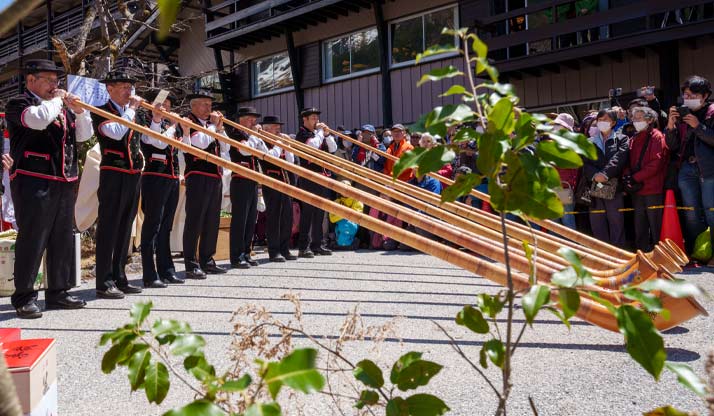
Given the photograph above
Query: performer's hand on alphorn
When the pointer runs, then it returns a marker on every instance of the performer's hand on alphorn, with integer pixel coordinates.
(71, 100)
(7, 161)
(135, 102)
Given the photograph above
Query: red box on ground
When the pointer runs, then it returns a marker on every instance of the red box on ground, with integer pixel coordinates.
(9, 335)
(33, 366)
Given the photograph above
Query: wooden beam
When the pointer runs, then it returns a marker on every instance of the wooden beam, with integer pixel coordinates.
(534, 71)
(639, 52)
(616, 56)
(296, 69)
(573, 64)
(382, 38)
(552, 68)
(593, 60)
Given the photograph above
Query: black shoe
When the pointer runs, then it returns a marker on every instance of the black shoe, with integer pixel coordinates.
(277, 258)
(129, 289)
(29, 311)
(65, 301)
(196, 273)
(288, 256)
(306, 254)
(242, 263)
(156, 284)
(251, 260)
(323, 251)
(214, 269)
(172, 279)
(111, 293)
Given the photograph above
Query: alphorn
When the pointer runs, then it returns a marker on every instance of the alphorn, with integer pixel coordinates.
(590, 310)
(585, 240)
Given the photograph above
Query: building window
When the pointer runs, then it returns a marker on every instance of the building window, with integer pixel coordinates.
(272, 74)
(353, 54)
(210, 83)
(413, 35)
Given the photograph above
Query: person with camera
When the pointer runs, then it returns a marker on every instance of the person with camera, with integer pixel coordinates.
(606, 217)
(644, 176)
(690, 136)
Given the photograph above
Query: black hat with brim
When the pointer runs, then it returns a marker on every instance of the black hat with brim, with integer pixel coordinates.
(33, 66)
(248, 111)
(309, 111)
(118, 76)
(271, 120)
(200, 94)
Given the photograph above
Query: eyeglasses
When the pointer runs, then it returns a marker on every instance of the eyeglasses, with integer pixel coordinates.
(691, 96)
(51, 81)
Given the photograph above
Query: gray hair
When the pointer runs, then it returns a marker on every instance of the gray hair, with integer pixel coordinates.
(648, 113)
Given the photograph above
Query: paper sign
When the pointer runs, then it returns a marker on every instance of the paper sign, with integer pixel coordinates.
(160, 98)
(89, 90)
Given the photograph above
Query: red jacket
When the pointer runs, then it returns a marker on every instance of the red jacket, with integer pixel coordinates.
(654, 164)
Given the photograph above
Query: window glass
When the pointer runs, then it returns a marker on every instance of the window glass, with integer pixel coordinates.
(337, 58)
(365, 50)
(272, 73)
(412, 36)
(351, 54)
(434, 23)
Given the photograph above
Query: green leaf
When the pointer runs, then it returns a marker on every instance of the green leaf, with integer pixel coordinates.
(569, 301)
(367, 398)
(456, 90)
(490, 305)
(452, 114)
(461, 32)
(440, 73)
(297, 371)
(369, 374)
(688, 378)
(408, 160)
(461, 186)
(403, 362)
(532, 301)
(198, 408)
(137, 368)
(503, 89)
(163, 328)
(643, 341)
(483, 65)
(190, 344)
(491, 148)
(524, 130)
(558, 314)
(199, 367)
(236, 385)
(416, 374)
(666, 411)
(576, 142)
(263, 409)
(168, 11)
(139, 311)
(465, 134)
(649, 301)
(426, 405)
(156, 382)
(472, 319)
(436, 50)
(495, 351)
(550, 152)
(581, 272)
(118, 335)
(501, 117)
(434, 128)
(115, 353)
(478, 46)
(397, 407)
(434, 159)
(677, 288)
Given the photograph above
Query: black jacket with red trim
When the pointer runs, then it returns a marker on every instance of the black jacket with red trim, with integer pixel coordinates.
(50, 153)
(160, 162)
(201, 166)
(236, 157)
(120, 155)
(304, 135)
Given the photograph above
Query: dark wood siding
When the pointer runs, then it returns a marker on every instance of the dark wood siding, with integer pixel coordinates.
(310, 65)
(243, 80)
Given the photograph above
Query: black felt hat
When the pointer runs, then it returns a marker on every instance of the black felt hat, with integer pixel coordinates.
(272, 120)
(118, 76)
(33, 66)
(309, 111)
(201, 94)
(248, 111)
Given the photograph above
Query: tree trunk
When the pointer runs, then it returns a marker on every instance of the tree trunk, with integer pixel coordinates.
(9, 403)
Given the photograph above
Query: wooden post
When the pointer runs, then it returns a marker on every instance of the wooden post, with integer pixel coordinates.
(383, 39)
(295, 68)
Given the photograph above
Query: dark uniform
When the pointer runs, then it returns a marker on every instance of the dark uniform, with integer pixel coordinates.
(204, 193)
(244, 203)
(159, 199)
(118, 194)
(43, 177)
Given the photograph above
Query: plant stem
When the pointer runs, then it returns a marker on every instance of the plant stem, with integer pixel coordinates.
(472, 84)
(506, 370)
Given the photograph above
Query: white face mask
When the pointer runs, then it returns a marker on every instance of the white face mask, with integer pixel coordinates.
(640, 125)
(592, 132)
(387, 140)
(694, 104)
(604, 126)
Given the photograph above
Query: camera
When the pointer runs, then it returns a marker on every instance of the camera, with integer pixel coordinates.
(683, 111)
(615, 92)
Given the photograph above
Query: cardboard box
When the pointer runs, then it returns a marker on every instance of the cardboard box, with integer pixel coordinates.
(7, 269)
(9, 335)
(33, 367)
(223, 244)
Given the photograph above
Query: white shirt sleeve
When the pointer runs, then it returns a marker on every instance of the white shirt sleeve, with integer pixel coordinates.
(316, 140)
(114, 130)
(83, 129)
(225, 147)
(170, 132)
(38, 117)
(256, 143)
(275, 152)
(330, 140)
(202, 140)
(289, 157)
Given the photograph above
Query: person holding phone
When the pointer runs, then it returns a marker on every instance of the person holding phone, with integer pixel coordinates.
(690, 136)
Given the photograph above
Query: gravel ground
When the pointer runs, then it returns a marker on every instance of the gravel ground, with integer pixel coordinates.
(584, 371)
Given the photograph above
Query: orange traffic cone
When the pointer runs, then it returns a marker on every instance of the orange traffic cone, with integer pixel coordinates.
(670, 221)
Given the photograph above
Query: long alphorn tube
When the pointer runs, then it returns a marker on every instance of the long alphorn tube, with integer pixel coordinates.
(590, 310)
(573, 235)
(551, 261)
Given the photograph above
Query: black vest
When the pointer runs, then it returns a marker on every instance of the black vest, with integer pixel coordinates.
(120, 155)
(160, 162)
(304, 135)
(249, 162)
(275, 171)
(198, 165)
(50, 153)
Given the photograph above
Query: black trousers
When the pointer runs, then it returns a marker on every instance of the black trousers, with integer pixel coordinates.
(648, 222)
(608, 226)
(203, 216)
(159, 198)
(311, 217)
(44, 211)
(118, 196)
(279, 211)
(244, 214)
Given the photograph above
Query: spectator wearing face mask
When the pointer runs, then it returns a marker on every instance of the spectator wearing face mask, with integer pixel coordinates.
(427, 141)
(690, 136)
(568, 177)
(612, 152)
(647, 165)
(387, 138)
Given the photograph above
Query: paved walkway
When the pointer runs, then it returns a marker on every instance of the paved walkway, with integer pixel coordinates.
(584, 371)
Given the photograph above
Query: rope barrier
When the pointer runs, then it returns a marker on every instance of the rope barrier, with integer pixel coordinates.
(602, 211)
